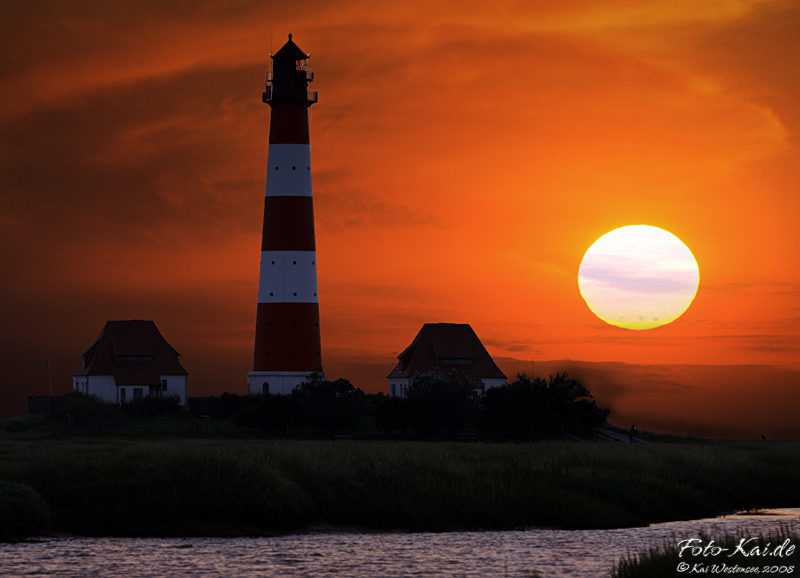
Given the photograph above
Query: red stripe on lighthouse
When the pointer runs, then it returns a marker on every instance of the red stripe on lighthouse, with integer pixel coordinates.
(291, 333)
(288, 124)
(288, 224)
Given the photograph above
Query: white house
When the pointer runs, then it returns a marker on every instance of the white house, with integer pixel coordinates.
(129, 360)
(447, 346)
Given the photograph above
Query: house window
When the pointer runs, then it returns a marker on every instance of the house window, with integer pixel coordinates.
(137, 393)
(163, 385)
(265, 387)
(122, 395)
(392, 390)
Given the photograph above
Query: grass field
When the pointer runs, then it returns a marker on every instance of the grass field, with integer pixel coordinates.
(110, 485)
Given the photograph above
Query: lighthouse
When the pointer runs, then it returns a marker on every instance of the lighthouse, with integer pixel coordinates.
(287, 345)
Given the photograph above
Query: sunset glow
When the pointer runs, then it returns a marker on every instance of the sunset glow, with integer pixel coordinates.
(464, 158)
(638, 277)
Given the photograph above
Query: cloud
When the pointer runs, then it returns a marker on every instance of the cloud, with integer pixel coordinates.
(763, 343)
(672, 283)
(515, 344)
(762, 287)
(342, 210)
(122, 164)
(610, 16)
(393, 292)
(61, 52)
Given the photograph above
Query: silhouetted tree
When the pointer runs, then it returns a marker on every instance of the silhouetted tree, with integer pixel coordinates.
(154, 406)
(223, 406)
(441, 405)
(392, 414)
(80, 409)
(269, 413)
(538, 408)
(512, 410)
(329, 405)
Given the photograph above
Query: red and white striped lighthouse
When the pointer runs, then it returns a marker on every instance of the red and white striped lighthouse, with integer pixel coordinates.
(288, 345)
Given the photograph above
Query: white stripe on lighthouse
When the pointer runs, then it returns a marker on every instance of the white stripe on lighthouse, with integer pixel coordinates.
(288, 277)
(289, 170)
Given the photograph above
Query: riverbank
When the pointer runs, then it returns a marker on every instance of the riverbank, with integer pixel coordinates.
(115, 487)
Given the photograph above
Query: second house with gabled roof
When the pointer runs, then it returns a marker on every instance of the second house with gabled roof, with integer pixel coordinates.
(130, 360)
(446, 346)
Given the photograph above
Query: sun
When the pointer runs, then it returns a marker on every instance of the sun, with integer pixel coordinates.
(638, 277)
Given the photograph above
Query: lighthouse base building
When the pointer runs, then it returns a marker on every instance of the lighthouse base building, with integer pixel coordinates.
(274, 382)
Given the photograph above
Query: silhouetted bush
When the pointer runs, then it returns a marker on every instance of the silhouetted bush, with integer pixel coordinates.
(269, 413)
(77, 408)
(23, 512)
(154, 406)
(330, 406)
(442, 404)
(373, 401)
(529, 408)
(224, 406)
(393, 415)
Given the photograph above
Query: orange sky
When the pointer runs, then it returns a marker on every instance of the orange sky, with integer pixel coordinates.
(465, 155)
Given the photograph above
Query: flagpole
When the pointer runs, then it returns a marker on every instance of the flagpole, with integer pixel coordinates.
(50, 374)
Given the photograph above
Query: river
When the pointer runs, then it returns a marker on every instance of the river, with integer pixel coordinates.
(554, 553)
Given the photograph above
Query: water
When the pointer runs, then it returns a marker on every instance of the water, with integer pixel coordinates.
(554, 553)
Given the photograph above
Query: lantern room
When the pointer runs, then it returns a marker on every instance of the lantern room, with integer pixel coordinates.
(288, 80)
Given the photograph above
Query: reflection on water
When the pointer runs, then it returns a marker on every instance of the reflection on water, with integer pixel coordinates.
(554, 553)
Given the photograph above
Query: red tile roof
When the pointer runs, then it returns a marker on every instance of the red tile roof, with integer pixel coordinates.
(447, 346)
(119, 342)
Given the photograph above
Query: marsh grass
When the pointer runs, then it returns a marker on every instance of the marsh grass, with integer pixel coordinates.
(112, 486)
(662, 561)
(23, 512)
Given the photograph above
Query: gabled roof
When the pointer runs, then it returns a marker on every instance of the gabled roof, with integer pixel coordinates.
(137, 339)
(447, 346)
(290, 51)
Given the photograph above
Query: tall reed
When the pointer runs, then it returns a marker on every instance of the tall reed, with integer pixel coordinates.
(23, 512)
(671, 560)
